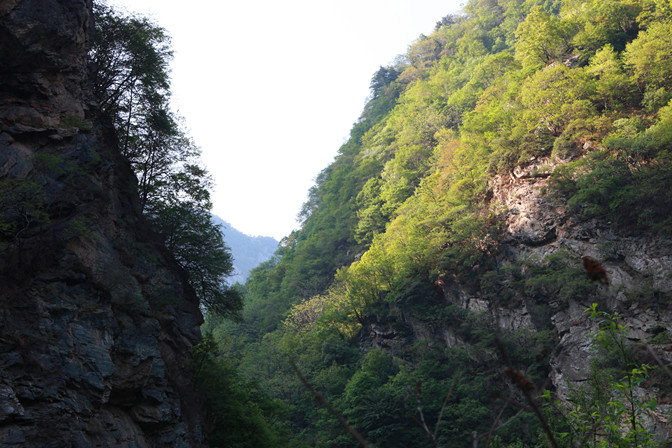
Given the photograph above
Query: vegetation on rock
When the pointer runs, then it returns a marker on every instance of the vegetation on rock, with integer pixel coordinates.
(361, 298)
(130, 55)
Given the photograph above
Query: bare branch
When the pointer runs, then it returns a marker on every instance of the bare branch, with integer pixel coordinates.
(320, 399)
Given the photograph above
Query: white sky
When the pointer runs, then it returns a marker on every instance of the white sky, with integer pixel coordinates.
(270, 89)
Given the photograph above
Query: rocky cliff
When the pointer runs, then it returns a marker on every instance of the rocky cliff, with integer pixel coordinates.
(638, 267)
(536, 226)
(96, 322)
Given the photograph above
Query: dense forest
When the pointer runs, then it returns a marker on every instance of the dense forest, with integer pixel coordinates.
(405, 216)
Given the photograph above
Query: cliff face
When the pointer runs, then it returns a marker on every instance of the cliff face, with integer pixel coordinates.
(96, 322)
(638, 266)
(536, 226)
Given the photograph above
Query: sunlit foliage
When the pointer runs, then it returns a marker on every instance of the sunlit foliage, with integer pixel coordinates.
(362, 297)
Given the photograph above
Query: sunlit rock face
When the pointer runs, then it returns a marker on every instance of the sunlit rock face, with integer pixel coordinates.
(96, 323)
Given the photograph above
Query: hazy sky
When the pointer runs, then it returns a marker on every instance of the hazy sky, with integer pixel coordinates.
(270, 89)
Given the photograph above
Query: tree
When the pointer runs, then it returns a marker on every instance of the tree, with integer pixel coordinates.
(130, 56)
(542, 38)
(131, 82)
(613, 22)
(613, 87)
(554, 96)
(371, 217)
(648, 57)
(180, 210)
(239, 414)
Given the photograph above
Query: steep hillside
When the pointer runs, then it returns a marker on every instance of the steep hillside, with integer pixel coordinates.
(488, 259)
(96, 318)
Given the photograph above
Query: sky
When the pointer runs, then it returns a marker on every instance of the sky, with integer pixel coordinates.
(269, 89)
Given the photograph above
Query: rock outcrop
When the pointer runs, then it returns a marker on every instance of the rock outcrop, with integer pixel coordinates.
(96, 320)
(536, 226)
(638, 266)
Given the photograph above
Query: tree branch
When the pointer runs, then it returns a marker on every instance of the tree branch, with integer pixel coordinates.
(320, 399)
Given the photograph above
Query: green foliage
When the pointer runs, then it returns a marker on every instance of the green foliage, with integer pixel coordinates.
(76, 122)
(26, 202)
(648, 56)
(470, 248)
(399, 222)
(628, 187)
(239, 414)
(198, 246)
(542, 38)
(131, 55)
(558, 277)
(555, 96)
(77, 228)
(613, 88)
(608, 410)
(23, 207)
(601, 23)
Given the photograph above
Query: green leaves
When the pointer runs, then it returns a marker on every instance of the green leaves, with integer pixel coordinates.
(553, 97)
(609, 410)
(542, 38)
(239, 414)
(629, 185)
(613, 89)
(131, 55)
(648, 56)
(23, 206)
(400, 220)
(600, 23)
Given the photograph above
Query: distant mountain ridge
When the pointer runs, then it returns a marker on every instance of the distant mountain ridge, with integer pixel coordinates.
(248, 251)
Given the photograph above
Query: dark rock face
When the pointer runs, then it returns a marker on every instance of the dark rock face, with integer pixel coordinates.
(96, 322)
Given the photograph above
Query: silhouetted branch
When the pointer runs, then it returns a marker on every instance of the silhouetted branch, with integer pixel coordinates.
(320, 399)
(525, 386)
(433, 436)
(443, 407)
(499, 416)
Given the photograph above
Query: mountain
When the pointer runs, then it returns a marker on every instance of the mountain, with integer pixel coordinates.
(487, 260)
(248, 251)
(485, 263)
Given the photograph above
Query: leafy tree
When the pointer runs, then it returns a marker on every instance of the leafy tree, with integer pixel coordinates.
(542, 38)
(371, 215)
(24, 206)
(601, 23)
(654, 11)
(613, 89)
(198, 246)
(131, 81)
(554, 96)
(130, 56)
(238, 412)
(648, 57)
